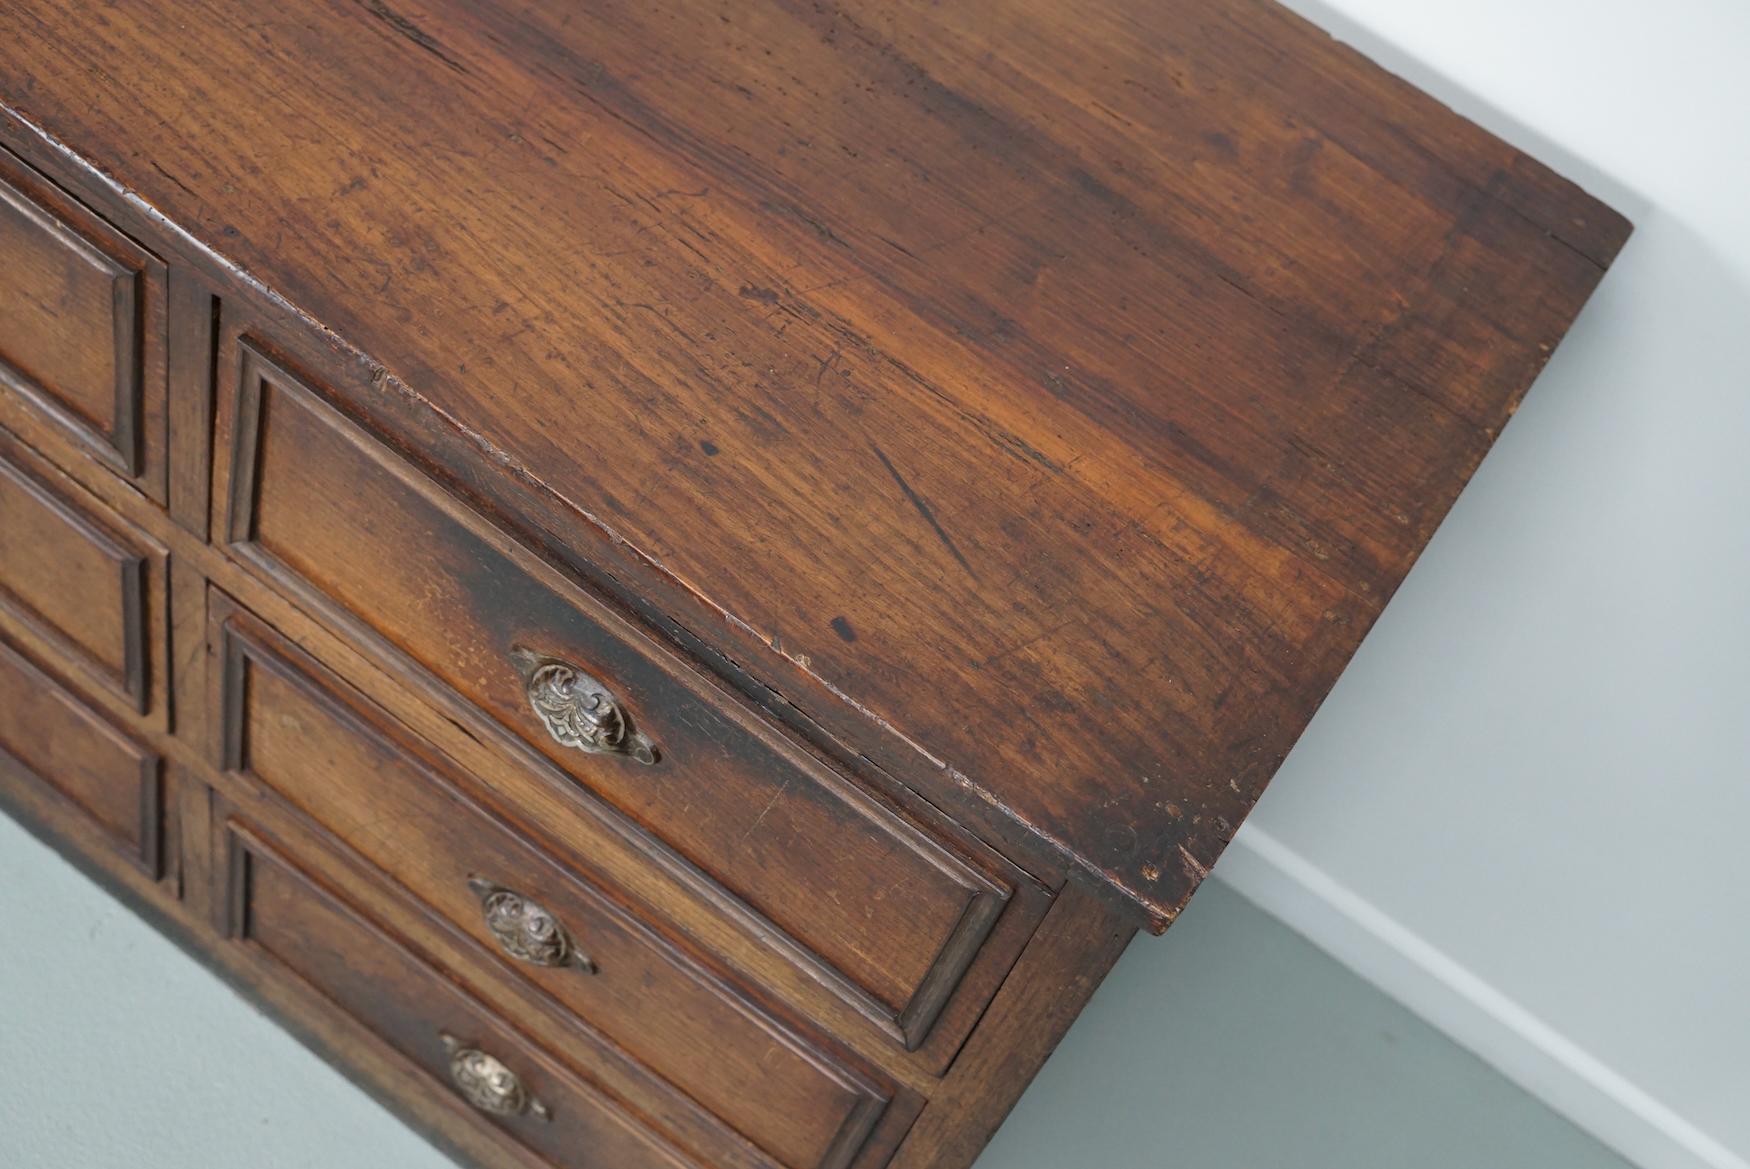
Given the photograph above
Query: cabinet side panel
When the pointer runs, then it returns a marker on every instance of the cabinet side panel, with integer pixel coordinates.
(1068, 958)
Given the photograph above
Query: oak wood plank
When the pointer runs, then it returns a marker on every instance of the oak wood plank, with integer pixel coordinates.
(1046, 396)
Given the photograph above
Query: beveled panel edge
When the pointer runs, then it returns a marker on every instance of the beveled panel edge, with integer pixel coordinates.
(120, 447)
(241, 843)
(952, 962)
(247, 642)
(987, 895)
(244, 464)
(130, 554)
(373, 894)
(147, 855)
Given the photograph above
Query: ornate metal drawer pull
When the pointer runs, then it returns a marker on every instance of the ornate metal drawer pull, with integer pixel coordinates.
(526, 930)
(487, 1084)
(579, 711)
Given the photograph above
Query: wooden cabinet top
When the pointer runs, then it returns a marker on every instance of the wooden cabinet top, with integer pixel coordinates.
(1042, 398)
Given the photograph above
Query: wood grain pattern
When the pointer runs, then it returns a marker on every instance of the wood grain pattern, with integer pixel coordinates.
(50, 739)
(287, 914)
(1048, 397)
(543, 803)
(80, 326)
(193, 350)
(289, 726)
(970, 438)
(79, 585)
(885, 914)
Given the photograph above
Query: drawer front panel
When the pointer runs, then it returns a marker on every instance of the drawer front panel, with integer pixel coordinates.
(76, 299)
(69, 577)
(51, 740)
(878, 910)
(294, 728)
(280, 909)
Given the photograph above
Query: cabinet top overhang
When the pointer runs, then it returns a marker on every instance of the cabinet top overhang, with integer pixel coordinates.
(1043, 397)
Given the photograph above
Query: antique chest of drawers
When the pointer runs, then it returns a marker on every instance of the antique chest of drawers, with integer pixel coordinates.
(669, 584)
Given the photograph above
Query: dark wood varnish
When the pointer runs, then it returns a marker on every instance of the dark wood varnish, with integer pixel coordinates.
(285, 912)
(1073, 951)
(878, 908)
(51, 742)
(81, 585)
(80, 311)
(1101, 369)
(949, 452)
(406, 813)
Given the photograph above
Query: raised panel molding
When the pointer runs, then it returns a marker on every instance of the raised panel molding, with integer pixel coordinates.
(265, 386)
(109, 781)
(68, 531)
(119, 423)
(245, 651)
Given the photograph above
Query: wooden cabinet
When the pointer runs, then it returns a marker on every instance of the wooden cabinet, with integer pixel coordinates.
(670, 585)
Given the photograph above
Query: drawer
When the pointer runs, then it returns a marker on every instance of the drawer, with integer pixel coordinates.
(85, 585)
(278, 907)
(872, 906)
(81, 327)
(95, 778)
(292, 727)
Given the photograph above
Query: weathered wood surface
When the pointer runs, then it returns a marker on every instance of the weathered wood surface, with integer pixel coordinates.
(1060, 389)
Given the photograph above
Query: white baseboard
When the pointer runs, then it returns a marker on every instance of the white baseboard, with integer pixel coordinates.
(1473, 1013)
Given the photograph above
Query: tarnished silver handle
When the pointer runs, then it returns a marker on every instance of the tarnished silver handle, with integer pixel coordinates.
(579, 711)
(487, 1084)
(527, 930)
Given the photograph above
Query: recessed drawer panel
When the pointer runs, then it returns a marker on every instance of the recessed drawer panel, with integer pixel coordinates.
(284, 912)
(78, 582)
(79, 303)
(52, 742)
(877, 909)
(293, 727)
